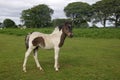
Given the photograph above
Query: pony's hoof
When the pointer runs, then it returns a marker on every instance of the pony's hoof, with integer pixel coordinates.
(56, 70)
(41, 69)
(24, 71)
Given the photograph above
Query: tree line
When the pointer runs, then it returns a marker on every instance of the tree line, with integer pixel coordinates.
(78, 12)
(102, 11)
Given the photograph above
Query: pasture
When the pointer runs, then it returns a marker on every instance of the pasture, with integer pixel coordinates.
(80, 59)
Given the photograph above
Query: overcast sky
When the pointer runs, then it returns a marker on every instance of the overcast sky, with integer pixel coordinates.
(12, 8)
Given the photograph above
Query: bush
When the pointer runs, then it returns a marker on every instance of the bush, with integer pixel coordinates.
(97, 32)
(106, 33)
(9, 23)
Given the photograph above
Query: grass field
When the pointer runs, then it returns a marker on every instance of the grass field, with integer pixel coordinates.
(80, 59)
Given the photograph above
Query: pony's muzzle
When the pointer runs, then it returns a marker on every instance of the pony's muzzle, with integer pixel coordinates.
(70, 35)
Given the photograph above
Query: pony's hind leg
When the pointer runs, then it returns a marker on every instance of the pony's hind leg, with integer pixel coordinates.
(26, 58)
(36, 58)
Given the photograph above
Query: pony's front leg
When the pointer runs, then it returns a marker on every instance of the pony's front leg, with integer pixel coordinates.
(56, 65)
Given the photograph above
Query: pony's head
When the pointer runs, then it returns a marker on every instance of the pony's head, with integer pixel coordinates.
(67, 29)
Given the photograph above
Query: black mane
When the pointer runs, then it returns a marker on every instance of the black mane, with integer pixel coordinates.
(60, 27)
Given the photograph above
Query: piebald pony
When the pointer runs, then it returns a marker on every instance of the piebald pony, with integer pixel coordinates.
(55, 40)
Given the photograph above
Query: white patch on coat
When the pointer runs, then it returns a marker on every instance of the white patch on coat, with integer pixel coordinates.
(51, 40)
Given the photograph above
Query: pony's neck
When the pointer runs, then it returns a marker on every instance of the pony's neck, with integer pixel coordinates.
(56, 30)
(60, 34)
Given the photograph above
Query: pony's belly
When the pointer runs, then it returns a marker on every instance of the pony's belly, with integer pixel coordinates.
(49, 47)
(48, 43)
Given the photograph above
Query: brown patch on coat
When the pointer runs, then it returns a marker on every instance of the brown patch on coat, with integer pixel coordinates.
(62, 39)
(39, 41)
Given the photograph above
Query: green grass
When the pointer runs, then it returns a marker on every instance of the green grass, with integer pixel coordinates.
(80, 59)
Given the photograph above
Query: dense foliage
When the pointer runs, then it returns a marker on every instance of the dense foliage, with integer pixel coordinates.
(37, 16)
(79, 12)
(107, 10)
(106, 33)
(57, 22)
(8, 23)
(102, 11)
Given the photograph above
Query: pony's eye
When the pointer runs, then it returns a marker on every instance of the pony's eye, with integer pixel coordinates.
(66, 28)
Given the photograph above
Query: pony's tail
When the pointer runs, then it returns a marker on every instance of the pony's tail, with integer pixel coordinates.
(27, 40)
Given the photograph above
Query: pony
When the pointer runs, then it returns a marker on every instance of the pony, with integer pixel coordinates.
(55, 41)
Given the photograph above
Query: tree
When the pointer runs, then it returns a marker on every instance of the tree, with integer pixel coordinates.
(107, 10)
(79, 12)
(38, 16)
(101, 12)
(57, 22)
(8, 23)
(114, 11)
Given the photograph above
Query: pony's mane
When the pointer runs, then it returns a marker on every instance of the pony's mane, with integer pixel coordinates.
(66, 23)
(60, 27)
(57, 29)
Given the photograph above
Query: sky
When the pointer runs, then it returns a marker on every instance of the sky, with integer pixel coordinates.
(12, 9)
